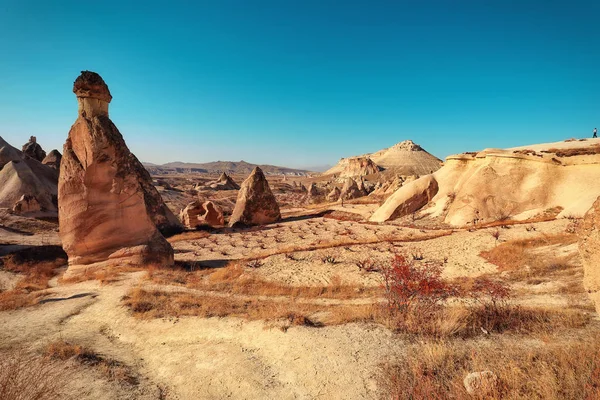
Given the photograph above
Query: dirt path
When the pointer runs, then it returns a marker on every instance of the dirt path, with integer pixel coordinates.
(210, 358)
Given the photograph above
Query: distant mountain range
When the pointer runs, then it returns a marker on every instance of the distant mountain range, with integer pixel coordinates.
(216, 167)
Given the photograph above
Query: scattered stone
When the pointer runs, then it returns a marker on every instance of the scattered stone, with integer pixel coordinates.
(197, 214)
(480, 383)
(33, 149)
(255, 203)
(106, 198)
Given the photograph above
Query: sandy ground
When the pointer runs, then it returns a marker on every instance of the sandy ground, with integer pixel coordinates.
(218, 358)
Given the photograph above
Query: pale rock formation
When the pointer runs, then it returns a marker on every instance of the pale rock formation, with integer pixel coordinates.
(350, 190)
(480, 383)
(255, 203)
(589, 248)
(21, 175)
(518, 183)
(197, 214)
(53, 159)
(223, 183)
(358, 166)
(106, 198)
(27, 204)
(312, 194)
(33, 149)
(404, 158)
(334, 195)
(407, 199)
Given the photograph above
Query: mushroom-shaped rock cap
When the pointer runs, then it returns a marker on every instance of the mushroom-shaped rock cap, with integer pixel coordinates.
(90, 84)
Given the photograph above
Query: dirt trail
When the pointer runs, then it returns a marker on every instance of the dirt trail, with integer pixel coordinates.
(206, 358)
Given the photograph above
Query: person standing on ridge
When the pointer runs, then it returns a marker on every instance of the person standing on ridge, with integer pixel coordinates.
(595, 133)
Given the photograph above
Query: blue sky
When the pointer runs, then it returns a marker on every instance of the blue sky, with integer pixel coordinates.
(303, 83)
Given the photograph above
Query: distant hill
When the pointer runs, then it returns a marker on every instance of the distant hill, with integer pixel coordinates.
(217, 167)
(404, 158)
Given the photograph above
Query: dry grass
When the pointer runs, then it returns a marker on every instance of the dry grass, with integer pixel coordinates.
(38, 265)
(515, 254)
(564, 369)
(111, 369)
(28, 377)
(233, 279)
(104, 276)
(162, 304)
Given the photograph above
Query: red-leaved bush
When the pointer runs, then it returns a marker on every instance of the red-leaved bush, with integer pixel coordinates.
(409, 286)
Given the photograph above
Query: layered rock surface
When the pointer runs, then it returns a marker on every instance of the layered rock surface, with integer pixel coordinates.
(517, 183)
(256, 204)
(589, 248)
(108, 208)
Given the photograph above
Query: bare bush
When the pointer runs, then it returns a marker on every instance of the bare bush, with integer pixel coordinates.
(28, 377)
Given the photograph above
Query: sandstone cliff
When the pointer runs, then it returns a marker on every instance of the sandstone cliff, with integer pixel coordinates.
(517, 183)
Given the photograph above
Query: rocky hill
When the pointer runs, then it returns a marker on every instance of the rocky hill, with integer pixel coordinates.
(404, 158)
(217, 167)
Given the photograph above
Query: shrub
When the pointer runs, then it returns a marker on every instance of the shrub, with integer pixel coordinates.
(418, 290)
(25, 377)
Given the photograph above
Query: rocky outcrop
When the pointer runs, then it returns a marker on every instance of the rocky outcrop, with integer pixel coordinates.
(33, 149)
(107, 204)
(313, 195)
(518, 183)
(350, 190)
(255, 203)
(589, 248)
(334, 195)
(53, 159)
(21, 175)
(27, 204)
(197, 214)
(223, 183)
(406, 200)
(358, 166)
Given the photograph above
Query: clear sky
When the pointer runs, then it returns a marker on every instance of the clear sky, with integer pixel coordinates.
(304, 82)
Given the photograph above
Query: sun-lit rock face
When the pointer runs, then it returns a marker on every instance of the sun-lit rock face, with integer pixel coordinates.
(255, 203)
(517, 183)
(589, 248)
(103, 214)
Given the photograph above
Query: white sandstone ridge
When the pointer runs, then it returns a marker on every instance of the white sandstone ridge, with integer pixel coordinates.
(405, 158)
(517, 183)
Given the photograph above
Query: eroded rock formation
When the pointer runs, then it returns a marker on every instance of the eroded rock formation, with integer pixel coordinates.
(197, 214)
(22, 177)
(33, 149)
(350, 190)
(255, 203)
(407, 199)
(53, 159)
(223, 183)
(518, 183)
(589, 248)
(107, 205)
